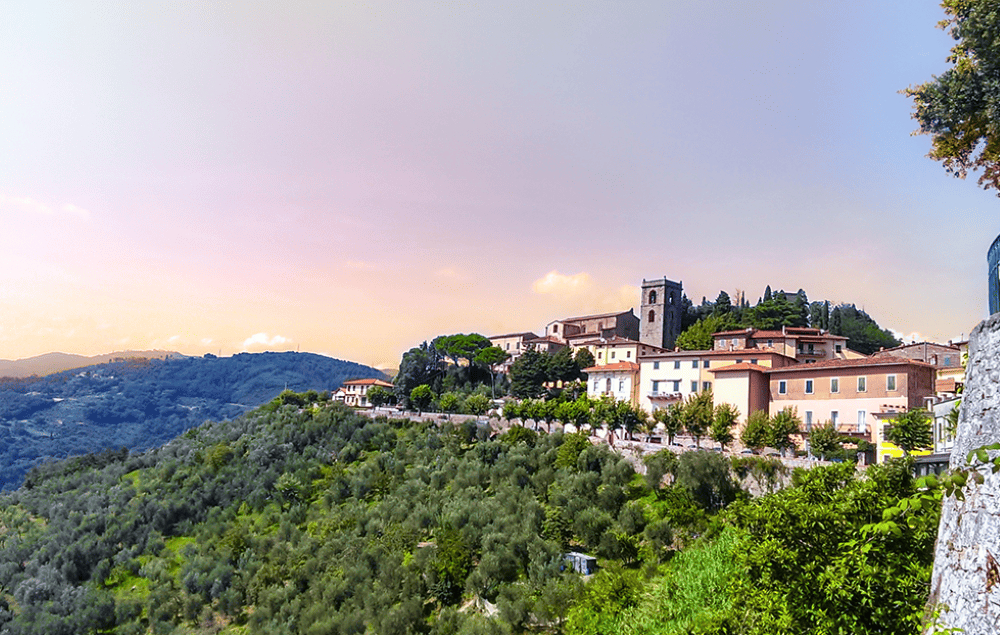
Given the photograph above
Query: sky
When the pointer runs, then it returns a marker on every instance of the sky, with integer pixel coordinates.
(353, 178)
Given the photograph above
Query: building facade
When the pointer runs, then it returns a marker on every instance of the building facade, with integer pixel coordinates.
(660, 312)
(514, 344)
(354, 392)
(619, 381)
(855, 395)
(622, 324)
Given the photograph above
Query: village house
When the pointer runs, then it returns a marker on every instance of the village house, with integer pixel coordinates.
(619, 380)
(806, 345)
(514, 344)
(354, 392)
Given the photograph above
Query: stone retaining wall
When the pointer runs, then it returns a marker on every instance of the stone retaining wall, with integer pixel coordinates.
(965, 584)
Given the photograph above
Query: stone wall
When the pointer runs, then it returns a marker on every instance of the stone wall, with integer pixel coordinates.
(965, 584)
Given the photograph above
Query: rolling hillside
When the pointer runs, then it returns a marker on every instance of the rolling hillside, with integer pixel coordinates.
(140, 403)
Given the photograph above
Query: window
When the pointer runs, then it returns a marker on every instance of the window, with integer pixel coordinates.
(861, 420)
(621, 385)
(704, 364)
(782, 387)
(508, 346)
(770, 343)
(862, 384)
(628, 354)
(555, 328)
(834, 415)
(600, 355)
(656, 386)
(947, 360)
(652, 315)
(890, 382)
(613, 354)
(839, 348)
(677, 385)
(706, 385)
(694, 386)
(677, 364)
(656, 365)
(809, 420)
(753, 361)
(809, 386)
(652, 300)
(739, 361)
(835, 384)
(694, 363)
(596, 386)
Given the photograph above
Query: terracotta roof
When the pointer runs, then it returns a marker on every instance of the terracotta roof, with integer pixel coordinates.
(917, 344)
(740, 366)
(768, 334)
(617, 367)
(547, 338)
(594, 317)
(500, 337)
(620, 340)
(739, 332)
(742, 352)
(367, 382)
(885, 360)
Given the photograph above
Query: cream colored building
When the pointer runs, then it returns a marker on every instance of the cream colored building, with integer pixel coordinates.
(514, 344)
(619, 380)
(670, 377)
(354, 392)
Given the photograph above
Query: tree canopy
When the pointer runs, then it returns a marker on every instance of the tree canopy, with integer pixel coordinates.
(960, 109)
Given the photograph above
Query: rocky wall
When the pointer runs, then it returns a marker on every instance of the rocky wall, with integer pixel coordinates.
(965, 584)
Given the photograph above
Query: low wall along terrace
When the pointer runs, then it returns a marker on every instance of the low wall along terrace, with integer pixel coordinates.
(965, 585)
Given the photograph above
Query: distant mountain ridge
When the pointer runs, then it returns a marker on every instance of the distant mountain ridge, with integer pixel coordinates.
(142, 402)
(49, 363)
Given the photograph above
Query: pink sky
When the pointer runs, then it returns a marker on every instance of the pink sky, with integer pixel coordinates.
(351, 180)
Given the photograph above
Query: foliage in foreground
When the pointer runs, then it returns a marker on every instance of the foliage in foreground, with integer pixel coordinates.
(301, 519)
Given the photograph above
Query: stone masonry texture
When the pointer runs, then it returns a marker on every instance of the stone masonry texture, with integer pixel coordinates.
(965, 584)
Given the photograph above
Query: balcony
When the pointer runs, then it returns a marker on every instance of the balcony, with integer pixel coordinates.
(665, 396)
(809, 352)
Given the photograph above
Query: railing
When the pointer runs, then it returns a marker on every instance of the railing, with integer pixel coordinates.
(811, 353)
(664, 395)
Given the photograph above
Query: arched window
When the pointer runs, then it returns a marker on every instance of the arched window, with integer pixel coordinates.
(607, 385)
(652, 297)
(652, 315)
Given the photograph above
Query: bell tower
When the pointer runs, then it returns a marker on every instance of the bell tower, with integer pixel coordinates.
(660, 312)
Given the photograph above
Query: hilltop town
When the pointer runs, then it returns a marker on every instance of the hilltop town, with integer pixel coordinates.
(796, 367)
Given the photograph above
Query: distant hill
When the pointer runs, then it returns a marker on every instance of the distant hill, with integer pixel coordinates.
(140, 403)
(49, 363)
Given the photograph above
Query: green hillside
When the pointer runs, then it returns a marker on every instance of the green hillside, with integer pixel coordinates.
(303, 517)
(140, 403)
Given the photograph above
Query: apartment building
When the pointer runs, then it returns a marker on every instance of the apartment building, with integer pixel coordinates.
(805, 345)
(671, 376)
(855, 395)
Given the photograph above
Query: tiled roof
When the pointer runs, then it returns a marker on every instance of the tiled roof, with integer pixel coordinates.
(367, 382)
(915, 345)
(742, 352)
(500, 337)
(740, 366)
(885, 360)
(543, 340)
(594, 317)
(617, 367)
